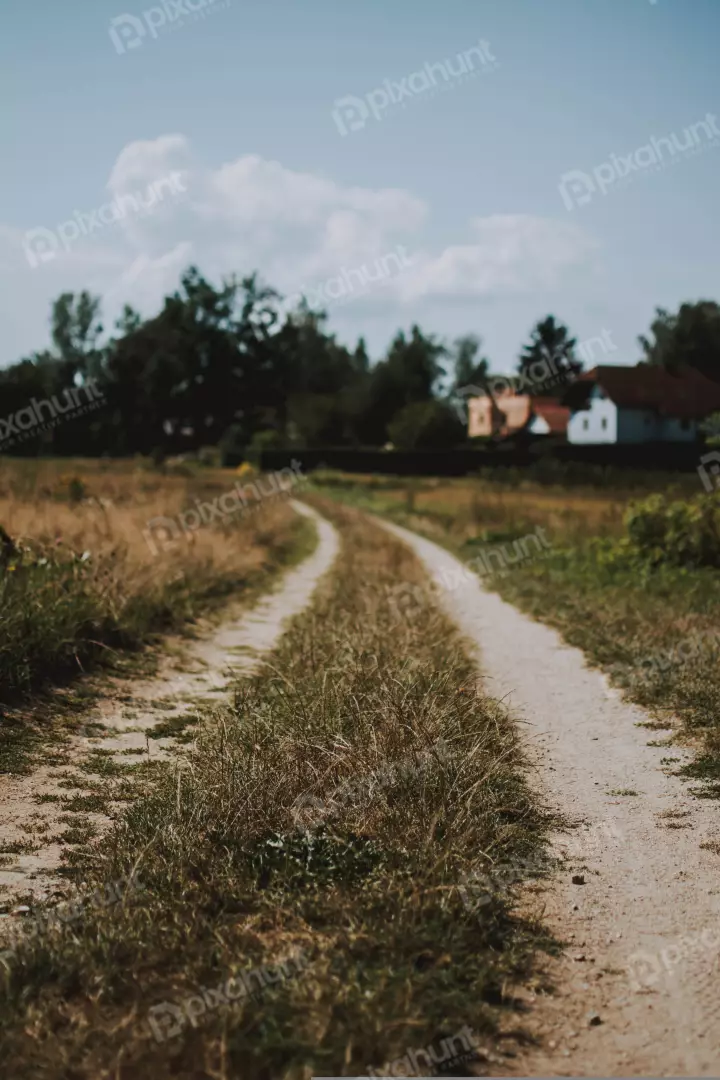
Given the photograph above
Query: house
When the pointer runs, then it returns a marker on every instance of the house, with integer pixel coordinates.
(613, 404)
(507, 413)
(549, 417)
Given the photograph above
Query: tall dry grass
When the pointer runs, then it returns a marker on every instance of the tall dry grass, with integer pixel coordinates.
(78, 578)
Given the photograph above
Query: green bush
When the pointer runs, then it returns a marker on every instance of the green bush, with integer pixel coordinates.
(677, 533)
(263, 440)
(425, 425)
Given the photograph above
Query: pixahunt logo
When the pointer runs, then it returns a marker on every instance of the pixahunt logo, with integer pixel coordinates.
(129, 31)
(42, 245)
(447, 1055)
(30, 420)
(347, 285)
(162, 533)
(168, 1019)
(577, 188)
(351, 113)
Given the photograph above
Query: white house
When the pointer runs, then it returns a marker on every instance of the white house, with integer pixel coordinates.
(613, 404)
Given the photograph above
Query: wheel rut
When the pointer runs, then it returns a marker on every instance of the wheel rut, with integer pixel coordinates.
(637, 990)
(189, 677)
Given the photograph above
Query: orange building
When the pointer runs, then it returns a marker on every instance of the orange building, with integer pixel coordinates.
(509, 413)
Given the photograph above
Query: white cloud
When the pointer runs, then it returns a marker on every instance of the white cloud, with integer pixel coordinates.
(141, 162)
(297, 229)
(511, 253)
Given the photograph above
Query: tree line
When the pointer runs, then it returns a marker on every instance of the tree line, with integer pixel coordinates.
(227, 365)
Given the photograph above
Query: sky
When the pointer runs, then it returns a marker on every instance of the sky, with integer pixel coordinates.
(467, 165)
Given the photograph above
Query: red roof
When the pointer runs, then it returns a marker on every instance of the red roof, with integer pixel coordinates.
(554, 414)
(685, 394)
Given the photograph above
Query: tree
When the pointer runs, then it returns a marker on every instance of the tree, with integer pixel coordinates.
(49, 378)
(204, 364)
(548, 363)
(426, 425)
(409, 373)
(468, 369)
(229, 364)
(75, 329)
(692, 338)
(470, 375)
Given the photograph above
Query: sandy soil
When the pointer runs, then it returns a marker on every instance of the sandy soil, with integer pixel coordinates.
(637, 990)
(201, 672)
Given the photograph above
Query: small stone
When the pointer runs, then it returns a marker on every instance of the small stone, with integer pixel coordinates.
(580, 956)
(576, 907)
(578, 879)
(23, 909)
(593, 1019)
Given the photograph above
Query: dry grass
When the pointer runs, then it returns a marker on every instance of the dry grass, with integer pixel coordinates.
(104, 508)
(334, 810)
(653, 628)
(80, 584)
(473, 508)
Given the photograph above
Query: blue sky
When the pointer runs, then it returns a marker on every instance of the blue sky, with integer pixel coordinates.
(237, 103)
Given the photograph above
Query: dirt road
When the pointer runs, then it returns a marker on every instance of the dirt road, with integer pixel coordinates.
(638, 987)
(202, 672)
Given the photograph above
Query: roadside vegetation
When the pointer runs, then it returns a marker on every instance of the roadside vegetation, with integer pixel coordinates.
(631, 578)
(81, 586)
(329, 814)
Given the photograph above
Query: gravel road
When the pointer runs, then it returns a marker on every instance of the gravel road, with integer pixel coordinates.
(637, 991)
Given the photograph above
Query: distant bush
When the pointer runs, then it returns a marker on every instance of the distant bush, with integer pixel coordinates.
(426, 425)
(674, 532)
(711, 429)
(263, 440)
(552, 472)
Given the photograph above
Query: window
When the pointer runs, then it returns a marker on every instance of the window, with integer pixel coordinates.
(684, 425)
(585, 425)
(603, 425)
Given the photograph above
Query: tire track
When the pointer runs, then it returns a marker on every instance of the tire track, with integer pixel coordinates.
(637, 991)
(205, 672)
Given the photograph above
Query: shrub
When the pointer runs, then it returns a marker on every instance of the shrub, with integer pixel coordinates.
(677, 533)
(425, 425)
(263, 440)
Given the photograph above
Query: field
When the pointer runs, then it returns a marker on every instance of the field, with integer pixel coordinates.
(84, 583)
